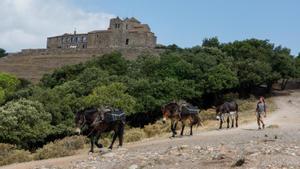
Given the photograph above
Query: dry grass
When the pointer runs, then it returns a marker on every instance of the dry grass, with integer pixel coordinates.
(61, 148)
(134, 134)
(157, 128)
(10, 154)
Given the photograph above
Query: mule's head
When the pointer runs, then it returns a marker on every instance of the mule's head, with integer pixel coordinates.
(165, 113)
(79, 121)
(218, 113)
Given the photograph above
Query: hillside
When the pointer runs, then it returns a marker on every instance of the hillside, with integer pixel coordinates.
(278, 146)
(32, 64)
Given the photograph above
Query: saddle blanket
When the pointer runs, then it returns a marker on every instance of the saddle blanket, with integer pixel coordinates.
(189, 110)
(116, 115)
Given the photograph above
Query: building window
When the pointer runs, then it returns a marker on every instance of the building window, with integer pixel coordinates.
(126, 26)
(117, 25)
(127, 41)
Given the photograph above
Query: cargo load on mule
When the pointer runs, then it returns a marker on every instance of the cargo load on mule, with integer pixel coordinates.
(114, 115)
(189, 109)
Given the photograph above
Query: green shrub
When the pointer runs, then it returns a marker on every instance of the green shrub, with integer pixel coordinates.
(10, 154)
(61, 148)
(24, 123)
(134, 134)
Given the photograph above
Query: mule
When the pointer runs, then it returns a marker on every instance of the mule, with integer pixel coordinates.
(93, 122)
(228, 111)
(174, 112)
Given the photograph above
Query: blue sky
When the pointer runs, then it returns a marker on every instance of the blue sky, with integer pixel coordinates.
(186, 23)
(27, 23)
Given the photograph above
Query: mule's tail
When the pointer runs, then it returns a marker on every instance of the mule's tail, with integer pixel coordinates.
(197, 121)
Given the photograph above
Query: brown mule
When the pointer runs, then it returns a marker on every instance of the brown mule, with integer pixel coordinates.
(173, 111)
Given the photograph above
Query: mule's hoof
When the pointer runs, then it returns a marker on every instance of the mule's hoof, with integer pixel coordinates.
(99, 146)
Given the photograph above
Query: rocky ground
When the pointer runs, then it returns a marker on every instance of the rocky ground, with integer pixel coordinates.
(277, 146)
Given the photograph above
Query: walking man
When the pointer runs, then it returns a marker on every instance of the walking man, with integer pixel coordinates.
(261, 112)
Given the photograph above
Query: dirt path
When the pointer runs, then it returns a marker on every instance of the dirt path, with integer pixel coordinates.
(278, 146)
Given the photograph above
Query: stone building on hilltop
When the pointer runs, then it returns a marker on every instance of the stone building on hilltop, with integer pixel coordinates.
(127, 33)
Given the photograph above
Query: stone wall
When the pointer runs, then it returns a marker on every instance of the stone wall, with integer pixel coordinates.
(32, 64)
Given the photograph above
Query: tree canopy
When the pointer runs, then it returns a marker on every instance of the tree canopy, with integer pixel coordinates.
(2, 53)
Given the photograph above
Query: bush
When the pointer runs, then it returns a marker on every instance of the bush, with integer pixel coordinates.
(134, 134)
(24, 123)
(61, 148)
(10, 154)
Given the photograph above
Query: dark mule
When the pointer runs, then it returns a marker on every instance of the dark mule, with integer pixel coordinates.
(228, 110)
(92, 122)
(174, 112)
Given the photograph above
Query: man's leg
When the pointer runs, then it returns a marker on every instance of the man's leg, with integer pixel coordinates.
(258, 120)
(262, 122)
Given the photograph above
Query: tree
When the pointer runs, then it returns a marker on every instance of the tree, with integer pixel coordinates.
(61, 103)
(297, 66)
(219, 78)
(24, 123)
(113, 95)
(211, 42)
(283, 63)
(8, 85)
(2, 53)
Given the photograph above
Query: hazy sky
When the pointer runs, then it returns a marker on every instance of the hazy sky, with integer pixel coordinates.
(27, 23)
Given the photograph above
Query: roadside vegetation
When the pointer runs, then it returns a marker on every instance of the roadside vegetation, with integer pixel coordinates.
(34, 116)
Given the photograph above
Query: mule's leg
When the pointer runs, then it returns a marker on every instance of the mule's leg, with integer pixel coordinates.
(227, 121)
(236, 120)
(175, 127)
(113, 140)
(232, 120)
(120, 135)
(191, 131)
(99, 145)
(182, 129)
(172, 125)
(92, 144)
(221, 123)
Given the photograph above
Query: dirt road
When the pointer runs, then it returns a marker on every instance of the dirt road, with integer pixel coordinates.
(277, 146)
